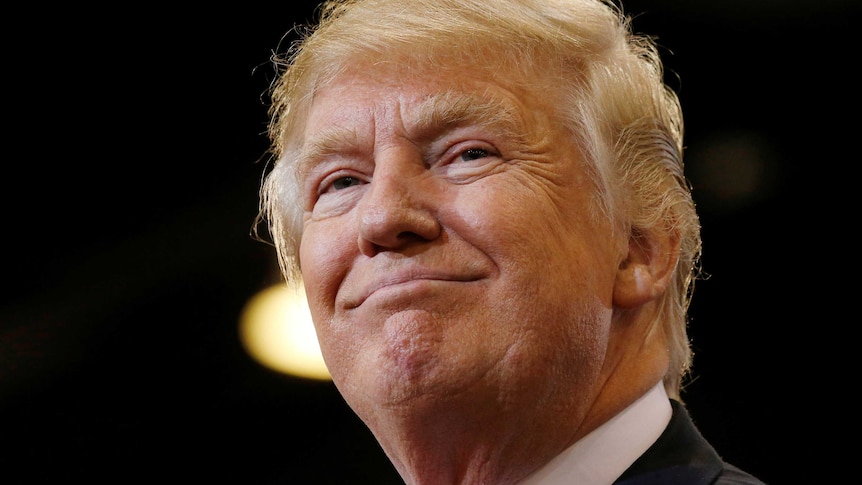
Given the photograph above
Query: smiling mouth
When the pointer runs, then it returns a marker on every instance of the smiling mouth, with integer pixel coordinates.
(398, 287)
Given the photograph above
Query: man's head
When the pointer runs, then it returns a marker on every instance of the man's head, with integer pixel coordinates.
(486, 203)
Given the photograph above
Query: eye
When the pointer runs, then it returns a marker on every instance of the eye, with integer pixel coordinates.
(345, 182)
(473, 154)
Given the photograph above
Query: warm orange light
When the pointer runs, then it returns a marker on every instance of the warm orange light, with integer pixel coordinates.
(277, 331)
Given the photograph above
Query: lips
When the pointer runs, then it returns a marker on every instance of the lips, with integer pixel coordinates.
(406, 278)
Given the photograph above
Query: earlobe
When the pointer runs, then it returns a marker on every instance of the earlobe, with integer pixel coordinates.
(646, 271)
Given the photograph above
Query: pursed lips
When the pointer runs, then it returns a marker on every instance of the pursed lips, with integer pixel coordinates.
(402, 277)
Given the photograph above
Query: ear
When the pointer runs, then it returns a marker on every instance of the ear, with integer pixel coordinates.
(646, 271)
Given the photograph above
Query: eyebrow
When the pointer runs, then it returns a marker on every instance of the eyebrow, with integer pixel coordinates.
(328, 142)
(452, 109)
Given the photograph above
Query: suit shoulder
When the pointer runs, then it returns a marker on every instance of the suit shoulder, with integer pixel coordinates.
(731, 475)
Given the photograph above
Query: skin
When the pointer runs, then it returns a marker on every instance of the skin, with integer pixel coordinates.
(471, 309)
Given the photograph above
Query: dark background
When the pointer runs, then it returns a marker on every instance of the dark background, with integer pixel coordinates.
(136, 140)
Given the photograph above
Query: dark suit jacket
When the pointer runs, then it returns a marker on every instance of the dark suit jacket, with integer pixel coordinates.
(682, 456)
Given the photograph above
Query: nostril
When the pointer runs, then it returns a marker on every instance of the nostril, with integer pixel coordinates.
(393, 226)
(399, 205)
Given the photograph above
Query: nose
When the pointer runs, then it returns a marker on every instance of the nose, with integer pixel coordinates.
(398, 209)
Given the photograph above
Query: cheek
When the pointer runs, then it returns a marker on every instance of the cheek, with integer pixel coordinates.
(544, 241)
(521, 228)
(324, 255)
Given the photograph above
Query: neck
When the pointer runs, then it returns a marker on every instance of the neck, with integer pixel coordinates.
(466, 445)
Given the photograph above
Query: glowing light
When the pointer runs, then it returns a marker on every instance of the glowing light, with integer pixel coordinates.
(277, 331)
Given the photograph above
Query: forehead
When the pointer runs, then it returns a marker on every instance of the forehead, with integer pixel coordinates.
(387, 97)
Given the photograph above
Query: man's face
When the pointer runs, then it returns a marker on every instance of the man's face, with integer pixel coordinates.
(450, 253)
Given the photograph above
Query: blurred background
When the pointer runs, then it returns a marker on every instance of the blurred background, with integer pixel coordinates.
(130, 190)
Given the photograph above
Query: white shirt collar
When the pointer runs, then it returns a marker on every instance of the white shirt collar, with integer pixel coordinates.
(604, 454)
